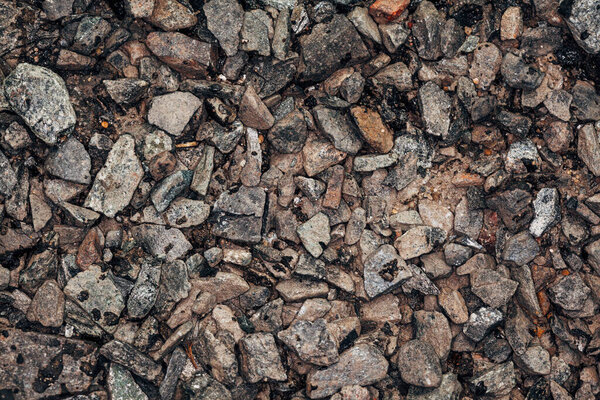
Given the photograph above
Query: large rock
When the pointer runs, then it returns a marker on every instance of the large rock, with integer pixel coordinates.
(171, 112)
(224, 20)
(313, 341)
(40, 97)
(36, 366)
(238, 215)
(362, 365)
(329, 45)
(419, 365)
(116, 182)
(583, 18)
(184, 54)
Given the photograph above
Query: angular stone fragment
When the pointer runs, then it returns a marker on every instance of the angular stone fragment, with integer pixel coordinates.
(454, 305)
(498, 380)
(8, 177)
(373, 129)
(224, 19)
(171, 112)
(143, 294)
(418, 241)
(116, 182)
(384, 270)
(260, 358)
(40, 97)
(169, 188)
(427, 26)
(450, 388)
(95, 292)
(289, 134)
(253, 112)
(547, 211)
(172, 15)
(435, 107)
(511, 25)
(48, 305)
(71, 162)
(492, 287)
(486, 64)
(558, 104)
(203, 171)
(518, 74)
(359, 16)
(328, 46)
(570, 293)
(535, 361)
(184, 213)
(37, 366)
(586, 102)
(433, 328)
(121, 385)
(257, 28)
(132, 359)
(419, 364)
(319, 155)
(238, 215)
(314, 234)
(312, 341)
(126, 91)
(384, 11)
(182, 53)
(362, 365)
(481, 322)
(160, 241)
(521, 248)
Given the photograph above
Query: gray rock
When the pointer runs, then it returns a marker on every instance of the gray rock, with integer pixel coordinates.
(372, 162)
(312, 188)
(449, 389)
(535, 361)
(126, 91)
(363, 22)
(238, 216)
(397, 75)
(328, 45)
(313, 341)
(116, 182)
(338, 128)
(57, 9)
(160, 241)
(520, 154)
(558, 136)
(487, 60)
(355, 226)
(419, 365)
(518, 74)
(435, 107)
(260, 359)
(121, 385)
(8, 177)
(362, 365)
(203, 171)
(418, 241)
(224, 20)
(172, 112)
(281, 37)
(143, 295)
(289, 134)
(256, 29)
(452, 37)
(583, 18)
(586, 102)
(427, 27)
(90, 34)
(547, 211)
(177, 362)
(492, 288)
(570, 293)
(526, 292)
(184, 213)
(314, 234)
(498, 380)
(558, 104)
(419, 282)
(384, 270)
(174, 286)
(71, 162)
(95, 292)
(132, 359)
(203, 386)
(224, 139)
(16, 136)
(588, 148)
(520, 248)
(456, 254)
(542, 40)
(393, 36)
(481, 322)
(40, 97)
(169, 188)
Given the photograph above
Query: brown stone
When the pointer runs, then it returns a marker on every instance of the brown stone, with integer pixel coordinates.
(253, 112)
(384, 11)
(373, 129)
(260, 359)
(162, 165)
(48, 305)
(333, 195)
(171, 15)
(72, 61)
(319, 155)
(188, 56)
(90, 249)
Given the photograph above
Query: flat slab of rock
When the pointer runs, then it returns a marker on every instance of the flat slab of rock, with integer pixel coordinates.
(39, 366)
(361, 365)
(132, 359)
(224, 20)
(492, 288)
(338, 128)
(328, 44)
(184, 54)
(116, 182)
(171, 112)
(238, 215)
(312, 341)
(70, 162)
(419, 365)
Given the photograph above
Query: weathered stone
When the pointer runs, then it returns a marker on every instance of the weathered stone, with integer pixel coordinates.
(373, 129)
(363, 22)
(143, 294)
(40, 97)
(70, 161)
(90, 34)
(319, 155)
(126, 91)
(172, 15)
(511, 26)
(521, 248)
(172, 112)
(362, 365)
(588, 148)
(570, 293)
(481, 322)
(582, 17)
(160, 241)
(418, 241)
(239, 215)
(116, 182)
(296, 290)
(48, 305)
(492, 287)
(547, 211)
(121, 385)
(419, 364)
(132, 359)
(535, 361)
(312, 341)
(518, 74)
(435, 107)
(314, 234)
(182, 53)
(289, 134)
(384, 270)
(257, 28)
(433, 328)
(427, 26)
(260, 359)
(498, 380)
(454, 305)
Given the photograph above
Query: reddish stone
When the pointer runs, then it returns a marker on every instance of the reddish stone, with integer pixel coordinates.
(90, 249)
(162, 165)
(188, 56)
(384, 11)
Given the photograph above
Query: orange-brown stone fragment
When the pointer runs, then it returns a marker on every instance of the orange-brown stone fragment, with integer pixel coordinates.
(384, 11)
(90, 249)
(373, 129)
(333, 195)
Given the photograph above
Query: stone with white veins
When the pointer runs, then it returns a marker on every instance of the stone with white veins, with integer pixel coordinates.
(547, 211)
(384, 270)
(224, 20)
(172, 112)
(435, 107)
(71, 162)
(314, 234)
(40, 97)
(116, 182)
